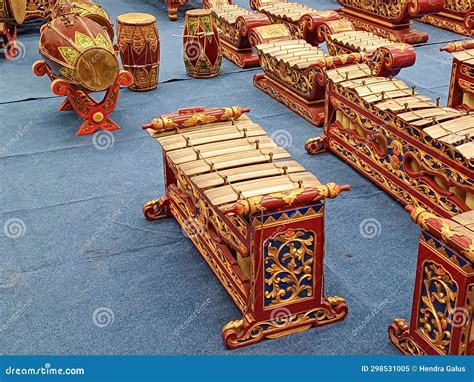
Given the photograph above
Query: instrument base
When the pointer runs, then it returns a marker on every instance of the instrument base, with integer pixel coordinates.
(311, 112)
(445, 22)
(399, 333)
(316, 145)
(248, 331)
(95, 114)
(244, 59)
(156, 209)
(403, 33)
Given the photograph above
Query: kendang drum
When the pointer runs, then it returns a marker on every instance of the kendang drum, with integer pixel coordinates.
(139, 47)
(79, 50)
(85, 8)
(202, 50)
(12, 11)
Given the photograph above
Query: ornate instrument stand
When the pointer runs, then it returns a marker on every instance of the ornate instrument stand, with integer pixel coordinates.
(255, 215)
(406, 143)
(390, 19)
(461, 90)
(235, 24)
(443, 301)
(457, 16)
(95, 114)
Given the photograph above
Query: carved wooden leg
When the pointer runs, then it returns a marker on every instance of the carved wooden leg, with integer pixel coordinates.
(8, 34)
(157, 209)
(400, 337)
(95, 114)
(248, 331)
(65, 105)
(316, 145)
(173, 11)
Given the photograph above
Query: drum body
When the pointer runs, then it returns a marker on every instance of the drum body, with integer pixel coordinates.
(201, 44)
(85, 8)
(12, 11)
(79, 51)
(139, 47)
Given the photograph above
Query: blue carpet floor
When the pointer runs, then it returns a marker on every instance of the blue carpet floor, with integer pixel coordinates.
(83, 244)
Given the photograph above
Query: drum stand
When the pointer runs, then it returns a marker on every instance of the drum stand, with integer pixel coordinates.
(172, 6)
(95, 114)
(8, 41)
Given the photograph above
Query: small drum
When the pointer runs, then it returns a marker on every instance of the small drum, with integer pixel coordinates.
(85, 8)
(139, 47)
(201, 50)
(12, 11)
(79, 51)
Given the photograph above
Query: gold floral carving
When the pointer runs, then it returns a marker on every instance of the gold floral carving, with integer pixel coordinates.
(438, 301)
(289, 264)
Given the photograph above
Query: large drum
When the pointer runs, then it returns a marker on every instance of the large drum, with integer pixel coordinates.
(201, 45)
(85, 8)
(79, 51)
(139, 47)
(12, 11)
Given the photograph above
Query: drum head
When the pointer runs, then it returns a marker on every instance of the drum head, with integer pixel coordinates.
(97, 69)
(18, 8)
(198, 12)
(136, 19)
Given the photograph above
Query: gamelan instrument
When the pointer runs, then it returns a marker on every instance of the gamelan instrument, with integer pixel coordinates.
(79, 58)
(235, 24)
(85, 8)
(300, 19)
(390, 19)
(342, 37)
(255, 215)
(416, 150)
(294, 70)
(201, 44)
(139, 47)
(456, 16)
(461, 90)
(173, 6)
(442, 312)
(209, 4)
(39, 9)
(12, 13)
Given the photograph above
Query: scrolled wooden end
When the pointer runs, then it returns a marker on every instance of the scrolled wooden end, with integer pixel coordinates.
(125, 78)
(418, 8)
(40, 68)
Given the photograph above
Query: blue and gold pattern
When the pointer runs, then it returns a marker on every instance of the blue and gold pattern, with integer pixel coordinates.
(289, 262)
(437, 305)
